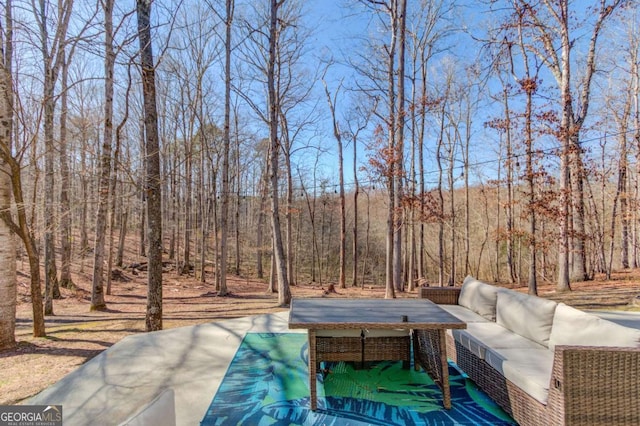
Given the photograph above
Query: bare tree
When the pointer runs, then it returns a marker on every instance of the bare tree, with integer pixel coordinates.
(399, 149)
(529, 85)
(53, 56)
(8, 278)
(153, 180)
(337, 133)
(11, 175)
(224, 214)
(552, 42)
(270, 58)
(97, 288)
(356, 124)
(65, 207)
(390, 164)
(284, 293)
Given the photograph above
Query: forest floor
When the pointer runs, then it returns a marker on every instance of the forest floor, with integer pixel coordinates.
(75, 335)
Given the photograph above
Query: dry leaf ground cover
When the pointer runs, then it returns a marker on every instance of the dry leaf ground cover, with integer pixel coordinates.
(75, 335)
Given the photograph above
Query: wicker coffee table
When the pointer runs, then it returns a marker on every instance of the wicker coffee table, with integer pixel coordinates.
(349, 317)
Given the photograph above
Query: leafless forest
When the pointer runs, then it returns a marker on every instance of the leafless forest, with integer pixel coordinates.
(355, 142)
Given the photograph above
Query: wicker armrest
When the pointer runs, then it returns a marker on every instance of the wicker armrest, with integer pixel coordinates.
(441, 295)
(595, 385)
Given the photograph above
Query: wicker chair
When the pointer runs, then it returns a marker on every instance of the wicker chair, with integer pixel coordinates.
(589, 385)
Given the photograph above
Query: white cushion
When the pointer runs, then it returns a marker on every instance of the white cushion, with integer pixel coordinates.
(386, 333)
(352, 332)
(479, 297)
(528, 316)
(482, 335)
(463, 313)
(529, 369)
(574, 327)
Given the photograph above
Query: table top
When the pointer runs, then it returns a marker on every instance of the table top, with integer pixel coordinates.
(370, 314)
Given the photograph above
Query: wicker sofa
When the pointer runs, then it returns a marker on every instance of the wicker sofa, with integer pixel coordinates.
(545, 363)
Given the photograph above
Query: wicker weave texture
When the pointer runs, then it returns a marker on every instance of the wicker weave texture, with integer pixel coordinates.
(441, 295)
(396, 348)
(338, 349)
(597, 386)
(429, 354)
(589, 386)
(387, 348)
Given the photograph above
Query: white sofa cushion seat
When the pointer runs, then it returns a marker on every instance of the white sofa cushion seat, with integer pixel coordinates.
(477, 337)
(386, 333)
(352, 332)
(528, 316)
(573, 327)
(463, 313)
(338, 333)
(479, 297)
(529, 369)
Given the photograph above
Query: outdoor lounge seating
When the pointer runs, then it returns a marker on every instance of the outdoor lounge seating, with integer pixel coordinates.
(544, 363)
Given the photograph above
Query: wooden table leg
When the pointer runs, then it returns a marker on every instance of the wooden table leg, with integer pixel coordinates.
(312, 370)
(444, 372)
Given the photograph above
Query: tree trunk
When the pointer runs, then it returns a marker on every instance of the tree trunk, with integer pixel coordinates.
(441, 254)
(284, 293)
(399, 149)
(224, 213)
(50, 269)
(239, 196)
(421, 160)
(8, 277)
(97, 290)
(509, 181)
(173, 203)
(124, 217)
(65, 207)
(185, 268)
(563, 283)
(52, 56)
(391, 148)
(114, 200)
(23, 231)
(579, 263)
(452, 212)
(142, 248)
(264, 190)
(153, 182)
(11, 180)
(529, 86)
(84, 192)
(356, 193)
(533, 246)
(290, 252)
(337, 134)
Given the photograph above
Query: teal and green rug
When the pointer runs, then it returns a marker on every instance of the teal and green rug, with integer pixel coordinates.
(267, 384)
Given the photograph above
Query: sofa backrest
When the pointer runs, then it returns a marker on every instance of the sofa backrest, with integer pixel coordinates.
(479, 297)
(528, 316)
(574, 327)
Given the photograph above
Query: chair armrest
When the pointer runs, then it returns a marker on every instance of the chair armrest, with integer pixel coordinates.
(595, 385)
(441, 295)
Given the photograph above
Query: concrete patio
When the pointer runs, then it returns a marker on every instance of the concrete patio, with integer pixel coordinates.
(189, 361)
(176, 372)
